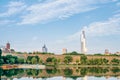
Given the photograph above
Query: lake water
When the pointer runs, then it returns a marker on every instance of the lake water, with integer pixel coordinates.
(67, 78)
(62, 74)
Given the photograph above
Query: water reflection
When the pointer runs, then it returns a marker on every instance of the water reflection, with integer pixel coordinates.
(91, 73)
(85, 78)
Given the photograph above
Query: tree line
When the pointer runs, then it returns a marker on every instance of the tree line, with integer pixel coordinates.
(68, 59)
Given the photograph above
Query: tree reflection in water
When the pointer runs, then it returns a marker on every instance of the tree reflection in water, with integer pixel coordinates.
(67, 72)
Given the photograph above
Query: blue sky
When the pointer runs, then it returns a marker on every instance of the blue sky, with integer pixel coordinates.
(29, 24)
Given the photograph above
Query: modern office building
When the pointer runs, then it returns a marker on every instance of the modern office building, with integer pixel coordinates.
(107, 52)
(8, 46)
(44, 49)
(83, 42)
(64, 50)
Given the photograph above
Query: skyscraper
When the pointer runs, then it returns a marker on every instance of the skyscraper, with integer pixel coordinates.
(44, 49)
(8, 46)
(83, 43)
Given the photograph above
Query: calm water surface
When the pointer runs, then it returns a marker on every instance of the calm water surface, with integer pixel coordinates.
(61, 74)
(66, 78)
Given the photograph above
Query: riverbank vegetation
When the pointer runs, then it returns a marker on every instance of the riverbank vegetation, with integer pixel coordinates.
(9, 59)
(67, 59)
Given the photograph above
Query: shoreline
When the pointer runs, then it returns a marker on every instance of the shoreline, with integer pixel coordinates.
(27, 66)
(24, 66)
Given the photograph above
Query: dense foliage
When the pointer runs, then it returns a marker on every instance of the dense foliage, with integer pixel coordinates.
(34, 60)
(0, 52)
(73, 53)
(9, 59)
(0, 56)
(53, 60)
(68, 59)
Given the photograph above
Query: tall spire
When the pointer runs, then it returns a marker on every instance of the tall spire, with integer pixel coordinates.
(83, 43)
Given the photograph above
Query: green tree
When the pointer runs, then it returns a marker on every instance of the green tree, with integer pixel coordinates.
(105, 61)
(54, 60)
(77, 61)
(83, 71)
(58, 61)
(73, 53)
(83, 59)
(9, 59)
(29, 59)
(68, 59)
(68, 72)
(51, 71)
(34, 72)
(115, 70)
(21, 60)
(0, 53)
(1, 61)
(34, 60)
(115, 61)
(49, 59)
(40, 61)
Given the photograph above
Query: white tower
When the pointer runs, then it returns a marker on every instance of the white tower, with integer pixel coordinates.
(83, 43)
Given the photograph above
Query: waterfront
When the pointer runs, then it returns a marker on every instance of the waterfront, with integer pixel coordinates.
(68, 78)
(52, 73)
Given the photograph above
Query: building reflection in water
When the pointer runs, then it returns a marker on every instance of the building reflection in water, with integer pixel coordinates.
(64, 78)
(85, 78)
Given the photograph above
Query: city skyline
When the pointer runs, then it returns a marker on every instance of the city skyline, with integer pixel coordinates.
(29, 24)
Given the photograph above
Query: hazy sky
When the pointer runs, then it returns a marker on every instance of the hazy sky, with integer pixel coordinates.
(29, 24)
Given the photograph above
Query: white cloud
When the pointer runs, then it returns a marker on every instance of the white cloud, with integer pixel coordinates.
(58, 9)
(4, 22)
(109, 27)
(96, 29)
(45, 11)
(118, 4)
(13, 8)
(15, 4)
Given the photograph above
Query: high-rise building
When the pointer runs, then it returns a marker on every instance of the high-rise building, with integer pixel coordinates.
(83, 43)
(8, 46)
(107, 52)
(44, 49)
(64, 50)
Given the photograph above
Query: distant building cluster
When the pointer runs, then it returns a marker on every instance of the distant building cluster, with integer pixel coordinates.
(109, 53)
(7, 49)
(118, 53)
